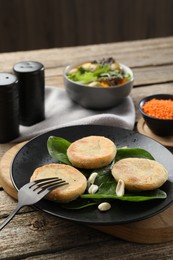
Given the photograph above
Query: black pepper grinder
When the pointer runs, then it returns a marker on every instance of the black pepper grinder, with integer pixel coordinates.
(31, 91)
(9, 107)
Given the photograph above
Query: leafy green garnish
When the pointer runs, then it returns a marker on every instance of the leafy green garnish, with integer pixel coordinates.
(132, 153)
(135, 197)
(85, 76)
(100, 72)
(57, 148)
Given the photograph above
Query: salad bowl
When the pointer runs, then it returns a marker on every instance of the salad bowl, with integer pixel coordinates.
(98, 85)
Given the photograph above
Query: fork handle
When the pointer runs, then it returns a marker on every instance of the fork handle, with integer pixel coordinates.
(12, 214)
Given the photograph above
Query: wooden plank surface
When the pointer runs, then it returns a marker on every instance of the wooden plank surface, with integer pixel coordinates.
(152, 62)
(151, 52)
(66, 240)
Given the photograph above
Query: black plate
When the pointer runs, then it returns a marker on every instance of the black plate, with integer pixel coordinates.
(35, 154)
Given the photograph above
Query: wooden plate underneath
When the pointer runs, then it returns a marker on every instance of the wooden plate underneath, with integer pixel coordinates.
(157, 229)
(143, 129)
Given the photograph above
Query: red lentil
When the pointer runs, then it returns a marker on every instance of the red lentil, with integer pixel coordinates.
(159, 108)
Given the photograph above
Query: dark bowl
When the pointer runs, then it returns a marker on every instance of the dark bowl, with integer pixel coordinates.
(160, 127)
(97, 97)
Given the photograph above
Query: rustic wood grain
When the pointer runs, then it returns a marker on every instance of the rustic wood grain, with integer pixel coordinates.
(43, 233)
(62, 241)
(151, 52)
(5, 164)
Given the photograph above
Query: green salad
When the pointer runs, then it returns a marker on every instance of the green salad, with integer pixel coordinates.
(57, 148)
(103, 73)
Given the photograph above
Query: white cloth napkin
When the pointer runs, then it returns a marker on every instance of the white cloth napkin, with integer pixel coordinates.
(60, 111)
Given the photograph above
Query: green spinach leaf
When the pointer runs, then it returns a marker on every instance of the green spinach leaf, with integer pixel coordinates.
(135, 197)
(132, 153)
(57, 148)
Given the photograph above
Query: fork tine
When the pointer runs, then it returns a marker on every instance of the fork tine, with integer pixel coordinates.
(47, 184)
(58, 184)
(47, 179)
(50, 184)
(44, 181)
(52, 187)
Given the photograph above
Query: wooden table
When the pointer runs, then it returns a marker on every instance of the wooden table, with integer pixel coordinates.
(36, 235)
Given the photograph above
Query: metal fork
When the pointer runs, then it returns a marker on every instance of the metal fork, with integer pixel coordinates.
(32, 192)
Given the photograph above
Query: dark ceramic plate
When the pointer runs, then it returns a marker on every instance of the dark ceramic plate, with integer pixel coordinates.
(35, 154)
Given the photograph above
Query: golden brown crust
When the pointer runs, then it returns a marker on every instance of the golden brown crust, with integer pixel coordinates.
(140, 174)
(91, 152)
(77, 181)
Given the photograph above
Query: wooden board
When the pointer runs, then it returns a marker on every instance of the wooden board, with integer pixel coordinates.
(157, 229)
(143, 129)
(5, 164)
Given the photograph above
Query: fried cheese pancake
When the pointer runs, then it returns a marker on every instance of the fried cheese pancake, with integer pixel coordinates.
(140, 174)
(76, 186)
(91, 152)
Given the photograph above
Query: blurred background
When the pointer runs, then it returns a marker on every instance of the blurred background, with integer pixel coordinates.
(40, 24)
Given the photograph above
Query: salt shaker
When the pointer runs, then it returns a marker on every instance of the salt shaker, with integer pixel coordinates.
(9, 107)
(31, 91)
